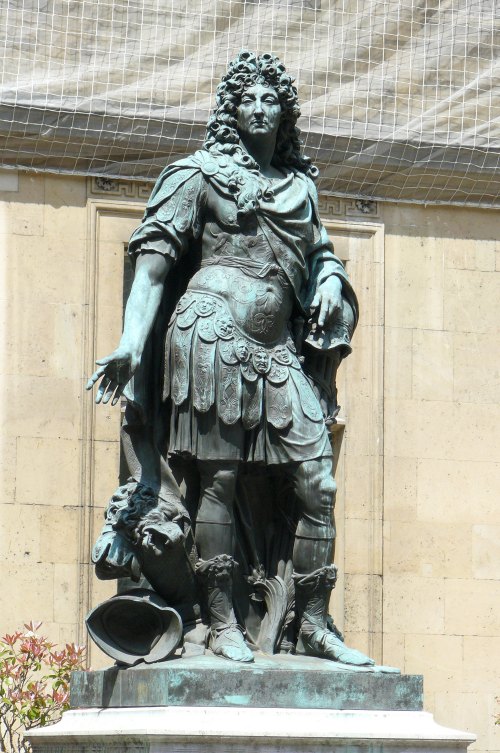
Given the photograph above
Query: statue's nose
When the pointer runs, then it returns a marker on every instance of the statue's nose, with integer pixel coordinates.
(258, 111)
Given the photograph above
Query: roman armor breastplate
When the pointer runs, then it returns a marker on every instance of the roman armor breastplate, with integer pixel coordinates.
(241, 269)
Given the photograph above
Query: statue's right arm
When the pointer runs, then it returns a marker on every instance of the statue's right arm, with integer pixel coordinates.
(118, 368)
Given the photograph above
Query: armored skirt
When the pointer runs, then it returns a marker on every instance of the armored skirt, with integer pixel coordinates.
(234, 398)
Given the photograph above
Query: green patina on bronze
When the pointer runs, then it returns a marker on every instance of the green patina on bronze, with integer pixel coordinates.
(273, 682)
(239, 316)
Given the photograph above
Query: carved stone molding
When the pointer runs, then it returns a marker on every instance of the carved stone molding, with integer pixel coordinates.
(336, 207)
(126, 189)
(329, 206)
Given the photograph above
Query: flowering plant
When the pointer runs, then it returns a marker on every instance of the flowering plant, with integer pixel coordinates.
(34, 684)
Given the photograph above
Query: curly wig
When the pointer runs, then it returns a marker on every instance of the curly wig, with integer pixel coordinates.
(245, 71)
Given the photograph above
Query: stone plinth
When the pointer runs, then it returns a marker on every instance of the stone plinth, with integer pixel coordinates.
(280, 704)
(280, 681)
(246, 730)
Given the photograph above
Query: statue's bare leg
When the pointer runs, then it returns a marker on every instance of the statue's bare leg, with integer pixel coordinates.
(214, 539)
(314, 575)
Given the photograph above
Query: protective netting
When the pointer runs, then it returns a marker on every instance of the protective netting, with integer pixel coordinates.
(400, 98)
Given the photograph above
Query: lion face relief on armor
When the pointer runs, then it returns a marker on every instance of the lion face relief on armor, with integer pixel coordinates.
(261, 361)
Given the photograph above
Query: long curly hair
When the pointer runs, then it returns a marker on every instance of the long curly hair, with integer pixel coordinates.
(246, 70)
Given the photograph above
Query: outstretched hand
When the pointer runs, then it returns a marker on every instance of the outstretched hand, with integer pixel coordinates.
(114, 371)
(327, 301)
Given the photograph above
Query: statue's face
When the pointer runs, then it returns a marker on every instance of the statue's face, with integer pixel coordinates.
(259, 113)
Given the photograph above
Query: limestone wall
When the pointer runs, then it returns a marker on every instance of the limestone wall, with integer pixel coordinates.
(441, 584)
(418, 467)
(43, 236)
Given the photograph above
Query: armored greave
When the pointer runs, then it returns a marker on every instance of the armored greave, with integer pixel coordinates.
(225, 636)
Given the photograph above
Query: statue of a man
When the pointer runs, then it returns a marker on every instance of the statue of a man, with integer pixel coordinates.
(260, 312)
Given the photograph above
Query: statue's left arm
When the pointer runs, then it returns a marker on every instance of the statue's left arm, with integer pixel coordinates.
(328, 284)
(333, 307)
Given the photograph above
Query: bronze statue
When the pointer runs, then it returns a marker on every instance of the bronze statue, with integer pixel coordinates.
(238, 318)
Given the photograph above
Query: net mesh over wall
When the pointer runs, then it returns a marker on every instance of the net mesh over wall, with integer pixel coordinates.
(400, 98)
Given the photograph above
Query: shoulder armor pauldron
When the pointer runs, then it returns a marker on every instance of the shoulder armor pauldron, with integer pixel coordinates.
(224, 173)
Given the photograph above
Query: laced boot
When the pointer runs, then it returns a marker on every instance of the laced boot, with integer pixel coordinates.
(312, 596)
(225, 635)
